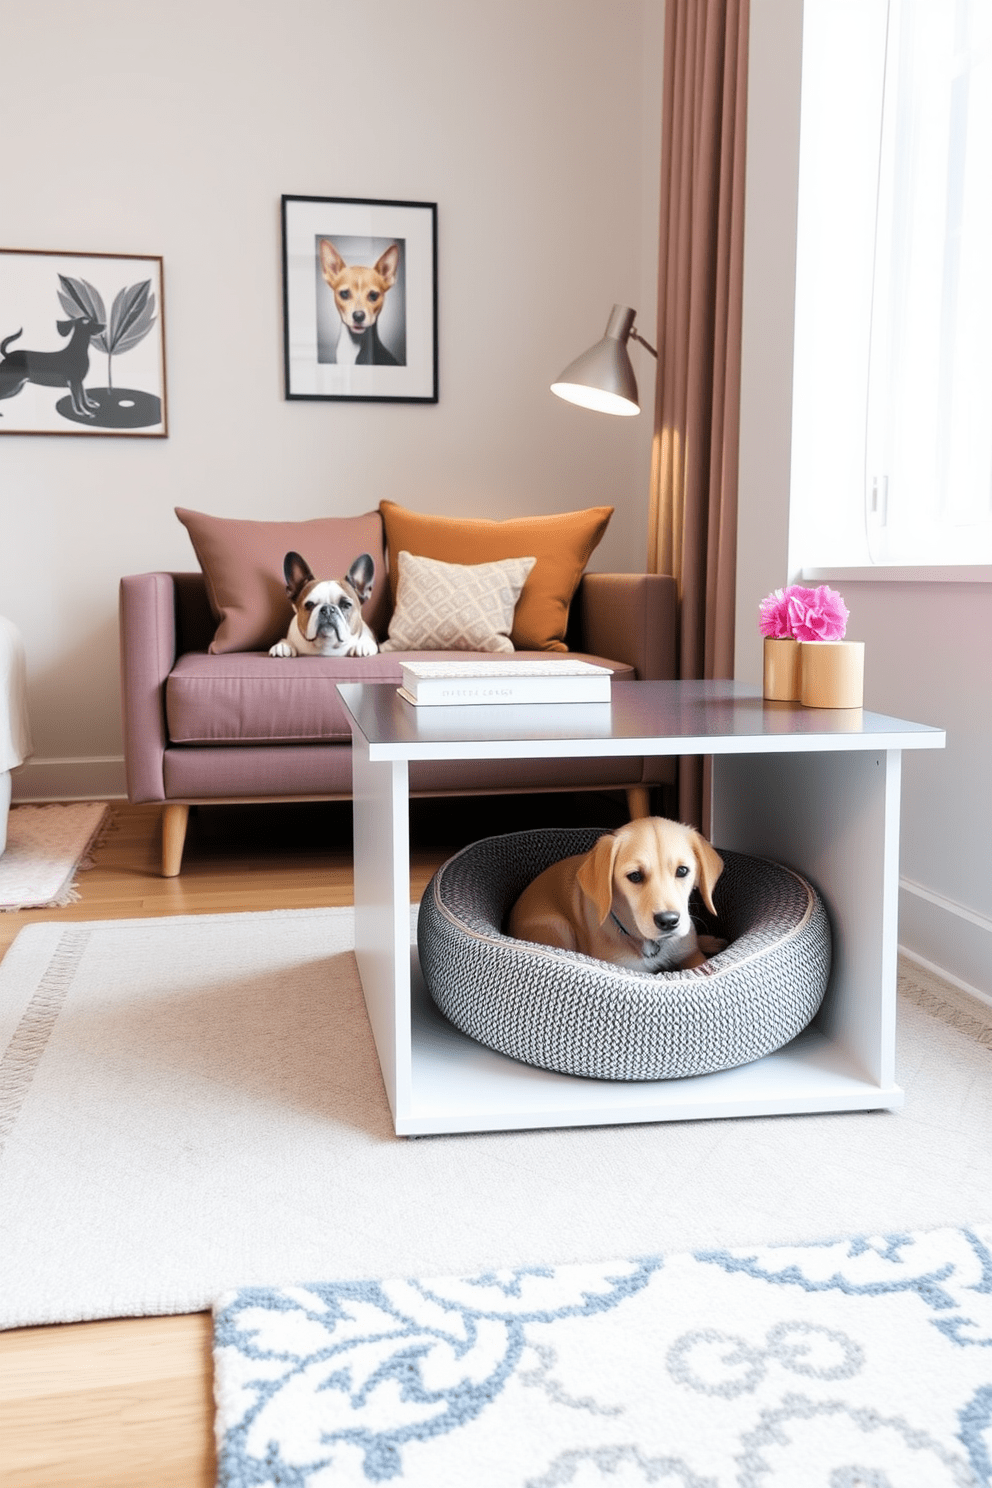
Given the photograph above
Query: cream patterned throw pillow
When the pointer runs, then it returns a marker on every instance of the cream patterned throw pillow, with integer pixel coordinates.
(455, 606)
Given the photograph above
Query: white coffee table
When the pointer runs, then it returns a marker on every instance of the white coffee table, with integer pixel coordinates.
(816, 789)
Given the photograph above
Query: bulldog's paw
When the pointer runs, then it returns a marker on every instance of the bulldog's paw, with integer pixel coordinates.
(366, 645)
(282, 648)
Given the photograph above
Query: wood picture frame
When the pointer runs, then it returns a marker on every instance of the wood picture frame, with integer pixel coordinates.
(82, 344)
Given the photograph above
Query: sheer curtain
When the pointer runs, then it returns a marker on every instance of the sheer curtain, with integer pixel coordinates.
(693, 515)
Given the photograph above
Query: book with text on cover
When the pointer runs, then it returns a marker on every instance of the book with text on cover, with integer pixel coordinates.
(453, 683)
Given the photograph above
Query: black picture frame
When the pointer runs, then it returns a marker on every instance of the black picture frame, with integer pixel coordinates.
(359, 299)
(82, 344)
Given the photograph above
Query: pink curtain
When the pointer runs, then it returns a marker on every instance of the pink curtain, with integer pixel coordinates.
(693, 515)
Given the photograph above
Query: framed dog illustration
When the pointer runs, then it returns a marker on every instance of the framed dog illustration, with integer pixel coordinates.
(360, 299)
(82, 344)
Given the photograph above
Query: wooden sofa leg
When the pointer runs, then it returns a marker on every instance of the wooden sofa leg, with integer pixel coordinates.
(638, 801)
(174, 821)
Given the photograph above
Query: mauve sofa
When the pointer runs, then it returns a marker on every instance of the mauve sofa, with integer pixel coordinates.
(246, 727)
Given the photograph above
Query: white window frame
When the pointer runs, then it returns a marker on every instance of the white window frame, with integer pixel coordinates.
(850, 315)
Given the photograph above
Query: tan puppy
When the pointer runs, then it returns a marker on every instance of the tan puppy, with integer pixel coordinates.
(627, 900)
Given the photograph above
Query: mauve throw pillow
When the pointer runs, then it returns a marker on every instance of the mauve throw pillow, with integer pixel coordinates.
(242, 564)
(561, 544)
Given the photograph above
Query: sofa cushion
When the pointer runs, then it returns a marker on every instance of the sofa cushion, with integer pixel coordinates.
(455, 606)
(252, 698)
(561, 543)
(242, 565)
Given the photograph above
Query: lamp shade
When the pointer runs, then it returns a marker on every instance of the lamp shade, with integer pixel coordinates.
(602, 378)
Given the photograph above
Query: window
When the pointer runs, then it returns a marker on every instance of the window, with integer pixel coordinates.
(892, 428)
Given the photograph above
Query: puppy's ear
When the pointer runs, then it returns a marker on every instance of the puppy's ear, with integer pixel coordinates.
(595, 875)
(360, 576)
(387, 265)
(297, 573)
(709, 865)
(331, 262)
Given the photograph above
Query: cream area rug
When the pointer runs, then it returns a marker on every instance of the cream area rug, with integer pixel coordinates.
(856, 1364)
(193, 1104)
(46, 848)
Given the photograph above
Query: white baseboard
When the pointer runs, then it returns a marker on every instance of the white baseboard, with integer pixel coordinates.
(941, 975)
(946, 938)
(96, 778)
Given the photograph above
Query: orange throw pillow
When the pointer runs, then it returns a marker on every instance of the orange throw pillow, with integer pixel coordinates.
(561, 543)
(242, 564)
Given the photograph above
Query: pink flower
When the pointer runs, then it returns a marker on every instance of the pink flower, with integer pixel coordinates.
(782, 610)
(824, 617)
(803, 614)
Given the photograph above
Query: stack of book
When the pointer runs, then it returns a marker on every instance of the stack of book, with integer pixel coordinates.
(440, 684)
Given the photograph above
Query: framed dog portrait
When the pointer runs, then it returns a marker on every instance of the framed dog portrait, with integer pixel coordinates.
(82, 344)
(360, 299)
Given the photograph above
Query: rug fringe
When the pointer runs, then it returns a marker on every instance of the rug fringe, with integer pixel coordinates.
(31, 1036)
(70, 894)
(104, 828)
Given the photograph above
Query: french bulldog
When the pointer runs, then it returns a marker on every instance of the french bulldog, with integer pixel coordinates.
(328, 612)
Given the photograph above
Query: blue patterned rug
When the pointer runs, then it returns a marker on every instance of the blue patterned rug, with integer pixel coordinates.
(864, 1363)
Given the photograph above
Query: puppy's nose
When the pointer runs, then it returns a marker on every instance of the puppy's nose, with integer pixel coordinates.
(667, 919)
(358, 317)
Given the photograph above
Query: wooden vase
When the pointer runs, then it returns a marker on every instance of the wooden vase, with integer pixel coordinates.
(831, 674)
(781, 667)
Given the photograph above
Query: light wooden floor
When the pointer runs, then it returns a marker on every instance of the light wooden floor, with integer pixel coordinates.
(128, 1403)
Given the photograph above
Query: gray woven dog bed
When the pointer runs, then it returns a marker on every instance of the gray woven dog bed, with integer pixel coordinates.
(563, 1011)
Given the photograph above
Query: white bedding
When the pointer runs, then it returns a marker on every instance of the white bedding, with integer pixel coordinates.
(15, 728)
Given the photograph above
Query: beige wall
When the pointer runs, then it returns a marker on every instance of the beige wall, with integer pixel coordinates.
(173, 130)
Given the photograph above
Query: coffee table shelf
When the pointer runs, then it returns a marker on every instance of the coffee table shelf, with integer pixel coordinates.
(815, 789)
